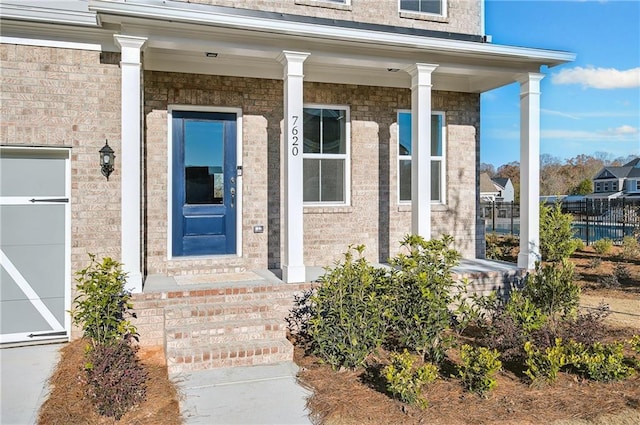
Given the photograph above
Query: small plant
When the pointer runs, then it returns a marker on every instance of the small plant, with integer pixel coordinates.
(603, 362)
(603, 246)
(545, 364)
(557, 241)
(103, 305)
(526, 314)
(595, 263)
(634, 343)
(552, 290)
(579, 244)
(621, 272)
(116, 378)
(405, 381)
(348, 315)
(630, 248)
(479, 366)
(609, 281)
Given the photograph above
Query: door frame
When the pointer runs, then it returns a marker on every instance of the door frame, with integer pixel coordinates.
(193, 108)
(65, 152)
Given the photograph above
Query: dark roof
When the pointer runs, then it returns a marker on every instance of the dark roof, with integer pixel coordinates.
(630, 169)
(501, 181)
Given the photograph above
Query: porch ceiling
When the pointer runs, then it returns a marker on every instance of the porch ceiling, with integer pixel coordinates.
(248, 46)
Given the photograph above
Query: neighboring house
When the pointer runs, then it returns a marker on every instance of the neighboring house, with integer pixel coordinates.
(247, 134)
(497, 189)
(614, 182)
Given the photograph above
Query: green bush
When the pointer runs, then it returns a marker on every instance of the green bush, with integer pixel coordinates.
(603, 246)
(103, 306)
(423, 289)
(405, 381)
(525, 313)
(634, 343)
(545, 364)
(556, 234)
(348, 314)
(602, 362)
(551, 288)
(117, 380)
(479, 366)
(630, 247)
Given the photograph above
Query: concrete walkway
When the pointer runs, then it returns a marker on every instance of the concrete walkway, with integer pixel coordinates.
(267, 394)
(24, 372)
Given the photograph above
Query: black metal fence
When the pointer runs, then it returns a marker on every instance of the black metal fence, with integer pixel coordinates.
(593, 219)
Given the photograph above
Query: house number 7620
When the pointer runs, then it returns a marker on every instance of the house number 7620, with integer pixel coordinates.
(295, 147)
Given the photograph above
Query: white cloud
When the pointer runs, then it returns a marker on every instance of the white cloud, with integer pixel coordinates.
(622, 133)
(598, 78)
(623, 130)
(559, 113)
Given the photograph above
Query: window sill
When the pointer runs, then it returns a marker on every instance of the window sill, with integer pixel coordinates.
(324, 4)
(434, 207)
(327, 209)
(424, 17)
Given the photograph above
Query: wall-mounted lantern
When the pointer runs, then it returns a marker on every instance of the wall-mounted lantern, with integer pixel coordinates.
(107, 159)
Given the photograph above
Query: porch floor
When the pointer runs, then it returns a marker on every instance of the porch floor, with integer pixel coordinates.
(470, 268)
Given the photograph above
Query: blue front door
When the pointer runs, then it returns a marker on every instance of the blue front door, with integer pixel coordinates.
(204, 183)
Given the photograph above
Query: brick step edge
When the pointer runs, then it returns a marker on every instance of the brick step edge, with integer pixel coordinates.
(242, 331)
(229, 355)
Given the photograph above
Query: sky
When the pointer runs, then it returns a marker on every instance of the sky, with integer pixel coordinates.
(588, 106)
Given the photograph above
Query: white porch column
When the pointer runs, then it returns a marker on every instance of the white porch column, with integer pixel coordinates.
(131, 110)
(293, 269)
(529, 170)
(421, 148)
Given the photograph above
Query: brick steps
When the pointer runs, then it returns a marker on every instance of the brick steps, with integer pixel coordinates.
(227, 327)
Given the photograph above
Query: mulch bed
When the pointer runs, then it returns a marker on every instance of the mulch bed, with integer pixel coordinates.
(67, 403)
(352, 397)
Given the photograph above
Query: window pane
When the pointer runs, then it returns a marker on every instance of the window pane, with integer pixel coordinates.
(435, 181)
(203, 153)
(404, 133)
(436, 135)
(333, 131)
(332, 177)
(311, 124)
(311, 180)
(426, 6)
(405, 180)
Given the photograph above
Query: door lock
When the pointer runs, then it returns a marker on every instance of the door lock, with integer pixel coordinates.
(233, 195)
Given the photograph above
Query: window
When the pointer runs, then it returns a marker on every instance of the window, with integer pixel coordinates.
(325, 155)
(614, 186)
(606, 186)
(437, 156)
(598, 187)
(435, 7)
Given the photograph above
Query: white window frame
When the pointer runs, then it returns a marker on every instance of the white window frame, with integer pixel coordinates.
(419, 13)
(598, 187)
(346, 156)
(442, 158)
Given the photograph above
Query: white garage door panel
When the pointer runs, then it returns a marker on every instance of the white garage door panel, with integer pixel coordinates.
(34, 244)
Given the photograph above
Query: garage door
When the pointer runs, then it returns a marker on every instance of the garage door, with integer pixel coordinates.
(34, 244)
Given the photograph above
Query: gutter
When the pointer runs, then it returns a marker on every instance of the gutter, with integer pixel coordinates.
(49, 15)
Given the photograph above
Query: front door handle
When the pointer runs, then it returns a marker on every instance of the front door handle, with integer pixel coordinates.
(233, 196)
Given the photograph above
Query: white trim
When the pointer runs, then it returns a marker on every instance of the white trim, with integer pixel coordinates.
(239, 182)
(50, 43)
(199, 14)
(346, 156)
(51, 15)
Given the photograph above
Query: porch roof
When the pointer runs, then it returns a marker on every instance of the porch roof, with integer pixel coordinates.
(248, 43)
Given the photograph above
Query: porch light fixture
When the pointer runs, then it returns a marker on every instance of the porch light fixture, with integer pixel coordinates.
(107, 159)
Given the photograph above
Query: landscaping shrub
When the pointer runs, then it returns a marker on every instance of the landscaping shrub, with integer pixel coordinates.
(103, 306)
(551, 288)
(478, 369)
(585, 328)
(349, 312)
(602, 362)
(423, 289)
(556, 234)
(544, 365)
(630, 247)
(595, 262)
(603, 246)
(609, 281)
(405, 381)
(116, 378)
(621, 272)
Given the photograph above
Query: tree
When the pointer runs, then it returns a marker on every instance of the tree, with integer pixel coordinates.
(585, 187)
(487, 168)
